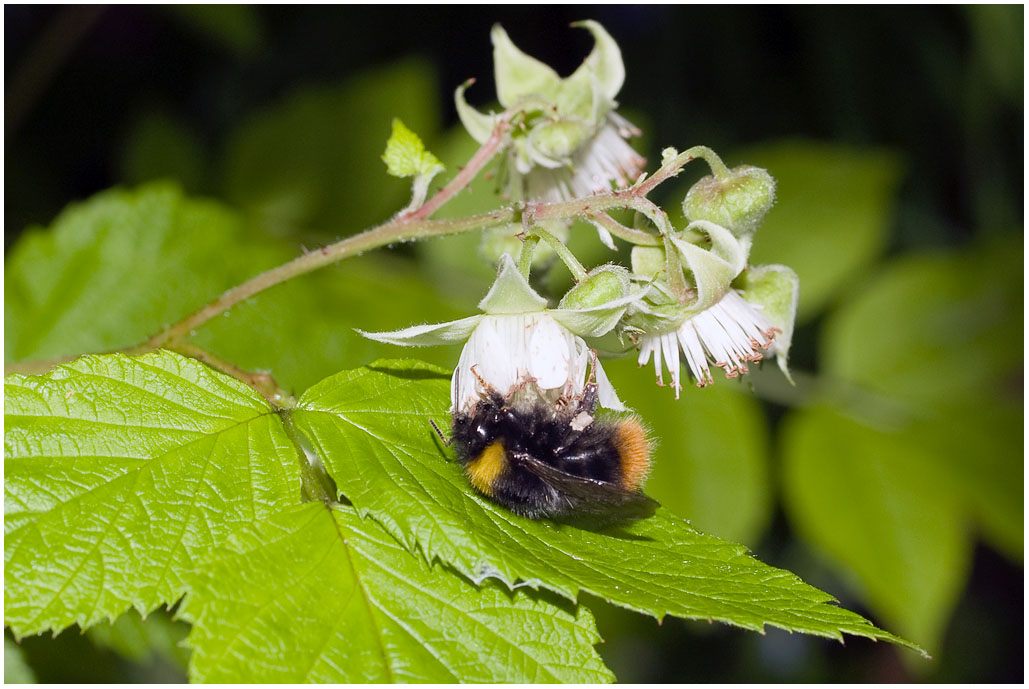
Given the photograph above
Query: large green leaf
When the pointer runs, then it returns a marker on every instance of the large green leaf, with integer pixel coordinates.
(831, 216)
(112, 271)
(877, 504)
(940, 336)
(316, 594)
(312, 161)
(370, 428)
(136, 481)
(122, 477)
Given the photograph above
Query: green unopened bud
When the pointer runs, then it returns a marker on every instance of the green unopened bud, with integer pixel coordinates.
(596, 305)
(738, 201)
(602, 285)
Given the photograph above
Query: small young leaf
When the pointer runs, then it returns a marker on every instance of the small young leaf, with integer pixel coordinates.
(385, 461)
(316, 594)
(124, 476)
(405, 154)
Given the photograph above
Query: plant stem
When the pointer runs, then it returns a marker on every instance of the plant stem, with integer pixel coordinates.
(672, 167)
(466, 175)
(525, 255)
(263, 383)
(622, 232)
(577, 270)
(399, 230)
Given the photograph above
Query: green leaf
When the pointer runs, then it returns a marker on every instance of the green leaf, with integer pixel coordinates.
(832, 214)
(125, 475)
(877, 505)
(712, 451)
(930, 326)
(16, 670)
(302, 163)
(406, 156)
(936, 334)
(316, 594)
(112, 271)
(370, 428)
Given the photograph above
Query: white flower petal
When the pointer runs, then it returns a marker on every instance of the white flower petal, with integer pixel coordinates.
(730, 334)
(550, 353)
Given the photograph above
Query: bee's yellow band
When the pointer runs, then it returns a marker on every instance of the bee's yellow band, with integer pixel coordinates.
(484, 470)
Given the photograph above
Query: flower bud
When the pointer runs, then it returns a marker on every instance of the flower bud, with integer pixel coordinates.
(738, 202)
(603, 284)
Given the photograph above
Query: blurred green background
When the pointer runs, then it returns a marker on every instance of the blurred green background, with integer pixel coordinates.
(891, 475)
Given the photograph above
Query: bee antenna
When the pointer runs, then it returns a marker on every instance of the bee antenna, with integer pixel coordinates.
(445, 442)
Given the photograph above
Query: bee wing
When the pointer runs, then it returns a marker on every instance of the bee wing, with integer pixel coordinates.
(593, 496)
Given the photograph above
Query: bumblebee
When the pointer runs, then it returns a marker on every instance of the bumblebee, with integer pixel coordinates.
(554, 460)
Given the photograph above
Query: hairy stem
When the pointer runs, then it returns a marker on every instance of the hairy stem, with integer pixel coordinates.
(629, 234)
(402, 229)
(577, 270)
(263, 383)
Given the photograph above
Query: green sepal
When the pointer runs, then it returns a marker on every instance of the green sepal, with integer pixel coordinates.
(479, 125)
(713, 270)
(775, 289)
(451, 332)
(511, 292)
(519, 75)
(595, 306)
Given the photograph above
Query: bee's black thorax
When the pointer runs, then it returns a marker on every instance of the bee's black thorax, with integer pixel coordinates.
(566, 438)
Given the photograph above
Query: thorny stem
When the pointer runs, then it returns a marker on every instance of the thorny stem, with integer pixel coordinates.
(398, 230)
(672, 167)
(415, 224)
(263, 383)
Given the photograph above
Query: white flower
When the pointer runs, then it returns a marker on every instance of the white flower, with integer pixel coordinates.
(740, 314)
(607, 157)
(519, 347)
(730, 334)
(528, 354)
(567, 140)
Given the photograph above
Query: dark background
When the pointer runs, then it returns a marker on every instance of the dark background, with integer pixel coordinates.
(943, 86)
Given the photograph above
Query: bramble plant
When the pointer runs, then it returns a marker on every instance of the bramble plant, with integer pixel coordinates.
(328, 536)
